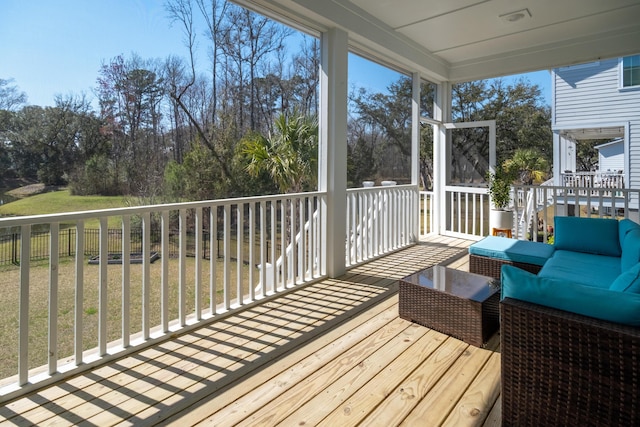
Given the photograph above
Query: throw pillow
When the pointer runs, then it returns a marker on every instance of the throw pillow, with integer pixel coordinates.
(628, 281)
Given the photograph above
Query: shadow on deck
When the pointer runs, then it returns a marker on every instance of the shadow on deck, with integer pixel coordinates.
(330, 353)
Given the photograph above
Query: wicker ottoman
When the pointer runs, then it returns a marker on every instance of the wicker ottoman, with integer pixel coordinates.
(463, 305)
(487, 256)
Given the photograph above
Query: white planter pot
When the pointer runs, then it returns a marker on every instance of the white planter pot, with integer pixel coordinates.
(500, 219)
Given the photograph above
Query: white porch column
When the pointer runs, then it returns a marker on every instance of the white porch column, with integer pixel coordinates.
(332, 155)
(557, 163)
(415, 149)
(442, 113)
(415, 130)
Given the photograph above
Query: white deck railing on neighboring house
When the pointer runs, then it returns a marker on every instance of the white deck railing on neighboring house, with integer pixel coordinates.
(215, 270)
(592, 180)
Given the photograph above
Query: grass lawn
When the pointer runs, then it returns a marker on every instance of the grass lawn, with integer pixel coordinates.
(39, 300)
(61, 201)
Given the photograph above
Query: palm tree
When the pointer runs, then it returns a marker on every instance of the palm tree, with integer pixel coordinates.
(289, 156)
(528, 165)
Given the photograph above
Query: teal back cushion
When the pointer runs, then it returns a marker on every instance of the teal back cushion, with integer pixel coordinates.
(591, 235)
(630, 250)
(604, 304)
(624, 226)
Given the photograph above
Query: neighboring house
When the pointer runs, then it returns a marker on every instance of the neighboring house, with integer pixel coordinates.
(611, 156)
(598, 101)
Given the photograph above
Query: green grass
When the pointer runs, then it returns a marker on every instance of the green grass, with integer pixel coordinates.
(61, 201)
(39, 299)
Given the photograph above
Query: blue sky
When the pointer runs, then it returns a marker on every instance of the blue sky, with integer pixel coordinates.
(54, 47)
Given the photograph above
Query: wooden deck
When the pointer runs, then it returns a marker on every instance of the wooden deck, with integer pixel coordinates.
(332, 353)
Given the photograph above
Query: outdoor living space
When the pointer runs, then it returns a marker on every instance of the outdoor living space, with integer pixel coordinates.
(333, 352)
(280, 302)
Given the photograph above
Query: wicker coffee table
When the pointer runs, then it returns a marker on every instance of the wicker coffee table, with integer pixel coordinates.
(463, 305)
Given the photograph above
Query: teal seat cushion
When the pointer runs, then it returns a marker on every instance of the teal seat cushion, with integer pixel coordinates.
(630, 249)
(588, 269)
(604, 304)
(591, 235)
(628, 281)
(523, 251)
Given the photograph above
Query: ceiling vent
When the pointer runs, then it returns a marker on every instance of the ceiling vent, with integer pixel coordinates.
(516, 16)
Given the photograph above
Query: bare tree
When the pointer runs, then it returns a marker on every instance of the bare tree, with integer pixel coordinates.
(10, 96)
(130, 93)
(214, 14)
(249, 40)
(181, 11)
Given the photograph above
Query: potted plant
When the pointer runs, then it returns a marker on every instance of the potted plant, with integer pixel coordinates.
(501, 217)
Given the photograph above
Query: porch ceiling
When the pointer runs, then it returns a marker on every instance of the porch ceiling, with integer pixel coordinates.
(593, 133)
(461, 40)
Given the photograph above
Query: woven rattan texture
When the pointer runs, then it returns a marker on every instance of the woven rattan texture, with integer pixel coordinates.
(470, 321)
(563, 369)
(491, 266)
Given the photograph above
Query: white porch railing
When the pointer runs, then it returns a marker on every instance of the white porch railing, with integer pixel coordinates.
(467, 208)
(550, 201)
(218, 269)
(379, 220)
(203, 271)
(468, 211)
(108, 309)
(426, 213)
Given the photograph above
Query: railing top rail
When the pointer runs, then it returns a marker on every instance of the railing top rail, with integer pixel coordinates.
(465, 189)
(609, 173)
(134, 210)
(382, 187)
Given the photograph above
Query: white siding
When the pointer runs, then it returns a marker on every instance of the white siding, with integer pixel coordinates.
(611, 157)
(591, 95)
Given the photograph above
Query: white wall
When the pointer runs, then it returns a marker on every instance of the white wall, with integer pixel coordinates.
(611, 157)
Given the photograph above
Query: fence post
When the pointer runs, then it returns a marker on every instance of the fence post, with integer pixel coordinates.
(14, 249)
(205, 238)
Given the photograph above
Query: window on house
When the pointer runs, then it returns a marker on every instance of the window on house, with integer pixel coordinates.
(631, 71)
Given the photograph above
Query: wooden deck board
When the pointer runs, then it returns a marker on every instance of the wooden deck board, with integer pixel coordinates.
(330, 353)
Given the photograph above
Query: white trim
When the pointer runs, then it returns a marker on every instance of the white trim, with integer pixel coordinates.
(580, 66)
(491, 124)
(557, 130)
(415, 128)
(587, 125)
(621, 86)
(415, 146)
(606, 144)
(332, 152)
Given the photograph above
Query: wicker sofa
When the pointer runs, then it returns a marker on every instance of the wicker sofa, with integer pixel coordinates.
(561, 368)
(570, 338)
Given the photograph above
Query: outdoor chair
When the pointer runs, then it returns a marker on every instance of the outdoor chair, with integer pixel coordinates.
(561, 368)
